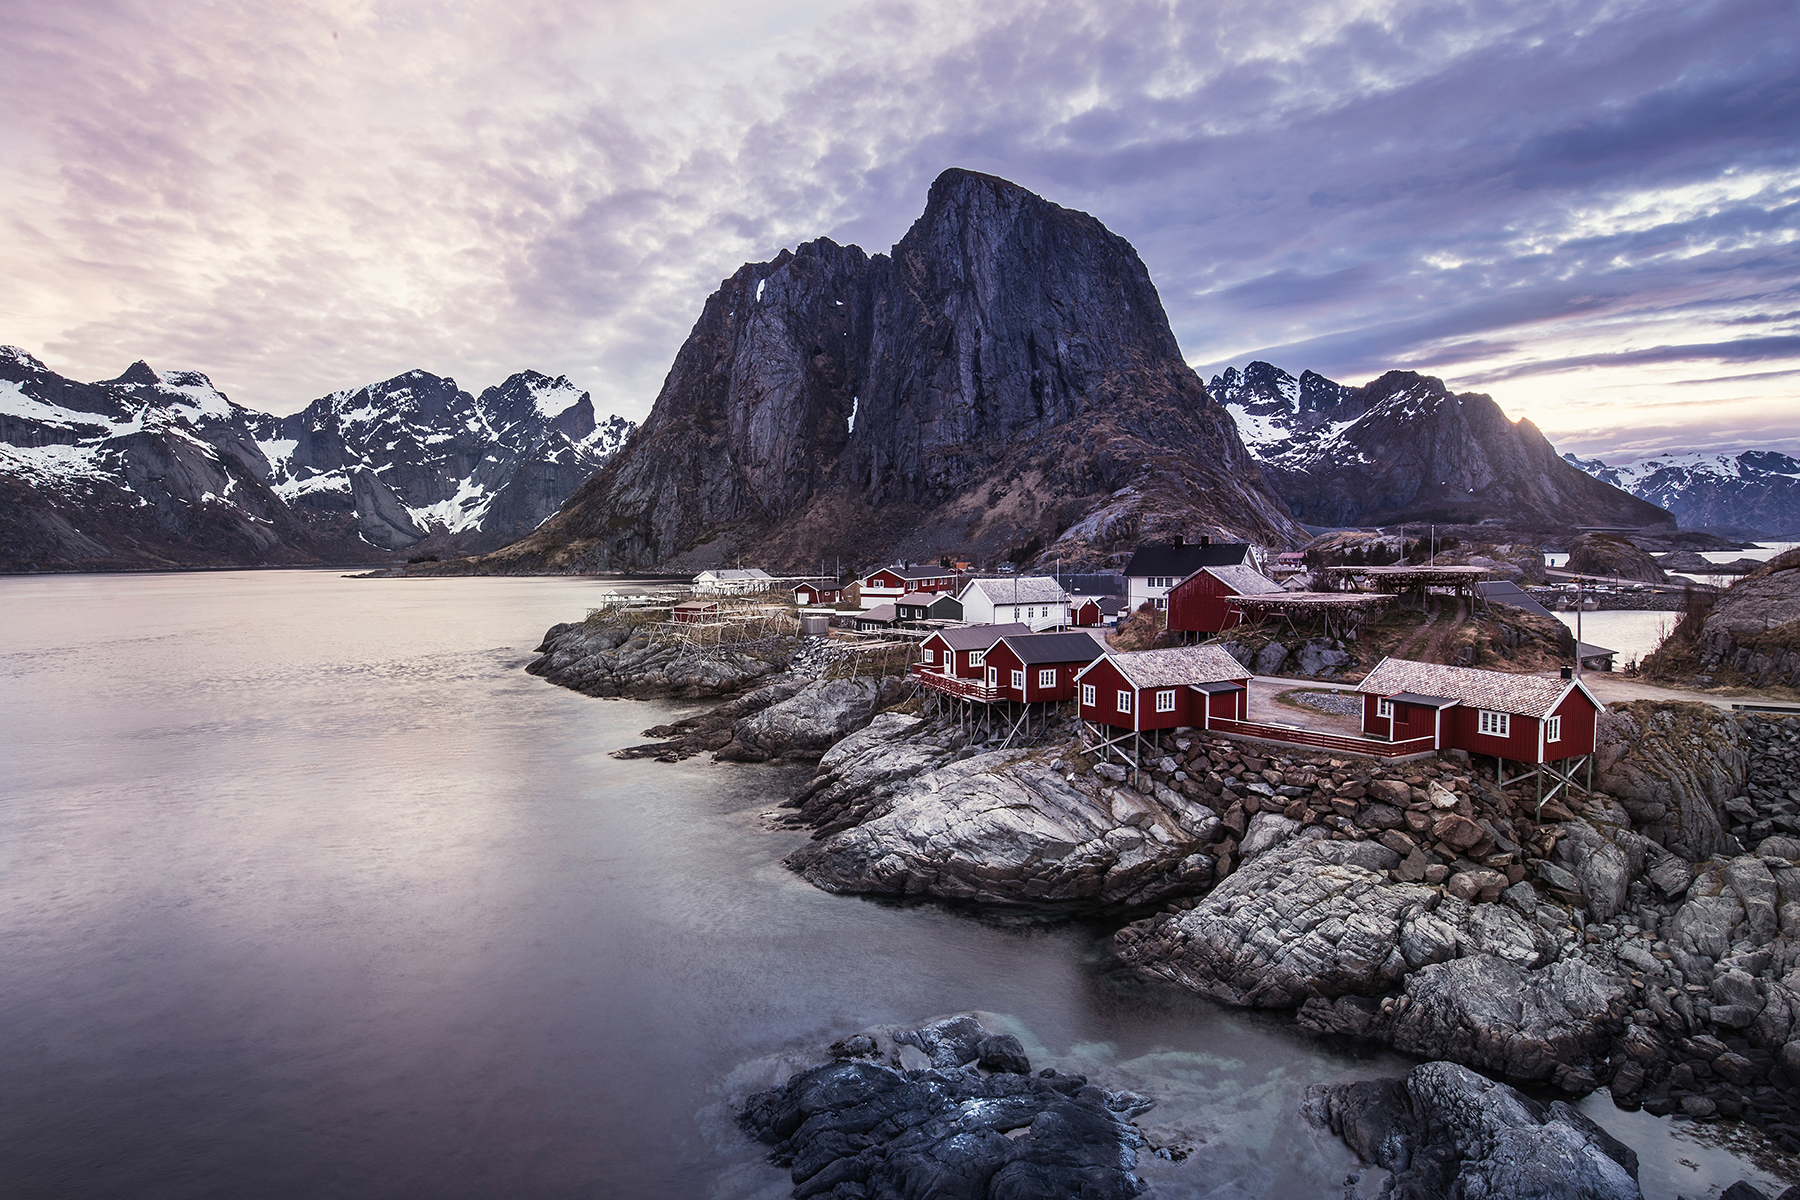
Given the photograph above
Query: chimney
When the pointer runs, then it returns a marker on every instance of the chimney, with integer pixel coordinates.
(1178, 541)
(1206, 539)
(1568, 673)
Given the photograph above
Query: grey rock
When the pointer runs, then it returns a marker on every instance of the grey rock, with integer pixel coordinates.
(1446, 1131)
(1670, 875)
(1557, 878)
(1267, 830)
(1270, 658)
(1755, 888)
(1680, 762)
(810, 722)
(1496, 1015)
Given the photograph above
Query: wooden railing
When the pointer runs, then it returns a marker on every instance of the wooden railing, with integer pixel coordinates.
(952, 685)
(1324, 741)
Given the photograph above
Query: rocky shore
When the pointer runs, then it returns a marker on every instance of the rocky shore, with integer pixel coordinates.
(1644, 938)
(626, 658)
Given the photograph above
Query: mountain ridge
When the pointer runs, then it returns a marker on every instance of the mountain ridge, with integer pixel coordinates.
(1754, 492)
(155, 469)
(1405, 448)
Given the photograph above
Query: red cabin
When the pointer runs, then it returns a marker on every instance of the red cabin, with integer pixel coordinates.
(961, 652)
(891, 583)
(818, 591)
(1524, 718)
(694, 612)
(1163, 689)
(1035, 668)
(1201, 603)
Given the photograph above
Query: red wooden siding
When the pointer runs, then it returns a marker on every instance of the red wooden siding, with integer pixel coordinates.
(1107, 682)
(1578, 716)
(1086, 614)
(1199, 604)
(1002, 658)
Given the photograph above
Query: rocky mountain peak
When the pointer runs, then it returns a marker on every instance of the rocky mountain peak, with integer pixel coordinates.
(138, 374)
(997, 380)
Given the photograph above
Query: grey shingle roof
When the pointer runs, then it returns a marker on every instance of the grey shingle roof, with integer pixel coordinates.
(1526, 695)
(1178, 666)
(979, 637)
(1025, 589)
(1245, 581)
(1054, 647)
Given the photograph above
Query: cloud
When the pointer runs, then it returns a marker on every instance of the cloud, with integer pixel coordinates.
(307, 197)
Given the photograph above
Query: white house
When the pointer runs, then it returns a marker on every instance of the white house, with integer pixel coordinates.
(1157, 567)
(1033, 600)
(713, 583)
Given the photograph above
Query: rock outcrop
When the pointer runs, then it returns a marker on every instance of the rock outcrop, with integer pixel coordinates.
(1673, 767)
(1612, 557)
(625, 657)
(947, 1110)
(1405, 448)
(1004, 379)
(1443, 1130)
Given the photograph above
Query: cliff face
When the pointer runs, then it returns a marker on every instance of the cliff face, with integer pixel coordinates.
(1405, 448)
(1006, 376)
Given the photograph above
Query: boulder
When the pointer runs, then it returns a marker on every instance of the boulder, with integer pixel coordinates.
(868, 1126)
(1269, 658)
(1445, 1130)
(811, 721)
(1266, 831)
(1612, 557)
(1497, 1015)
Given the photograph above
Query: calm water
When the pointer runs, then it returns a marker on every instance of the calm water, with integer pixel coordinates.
(306, 889)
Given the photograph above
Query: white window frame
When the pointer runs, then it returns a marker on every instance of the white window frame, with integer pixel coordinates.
(1165, 700)
(1124, 701)
(1162, 602)
(1553, 729)
(1384, 707)
(1489, 723)
(930, 655)
(1018, 680)
(977, 658)
(1087, 695)
(1047, 677)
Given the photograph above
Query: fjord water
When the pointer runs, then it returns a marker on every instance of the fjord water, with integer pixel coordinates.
(307, 889)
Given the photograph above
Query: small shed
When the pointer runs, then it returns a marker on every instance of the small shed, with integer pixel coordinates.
(1163, 689)
(1520, 718)
(945, 608)
(914, 606)
(818, 591)
(962, 652)
(1036, 668)
(693, 612)
(1201, 602)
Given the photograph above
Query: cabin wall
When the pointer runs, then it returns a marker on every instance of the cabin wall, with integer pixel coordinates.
(1578, 718)
(1373, 724)
(1106, 681)
(1415, 721)
(1461, 725)
(1200, 604)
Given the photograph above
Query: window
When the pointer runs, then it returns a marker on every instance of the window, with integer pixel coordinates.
(1384, 708)
(1087, 694)
(1018, 678)
(931, 656)
(1047, 678)
(1165, 701)
(1553, 729)
(1161, 603)
(1494, 724)
(1124, 701)
(977, 658)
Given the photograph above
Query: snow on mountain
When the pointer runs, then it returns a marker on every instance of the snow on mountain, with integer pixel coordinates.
(406, 462)
(1405, 448)
(1753, 491)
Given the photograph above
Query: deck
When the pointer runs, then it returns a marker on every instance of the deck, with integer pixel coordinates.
(953, 685)
(1372, 747)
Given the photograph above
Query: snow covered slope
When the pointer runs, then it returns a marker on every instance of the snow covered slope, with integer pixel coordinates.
(1755, 491)
(1405, 448)
(161, 468)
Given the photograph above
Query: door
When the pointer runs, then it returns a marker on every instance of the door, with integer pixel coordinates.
(993, 677)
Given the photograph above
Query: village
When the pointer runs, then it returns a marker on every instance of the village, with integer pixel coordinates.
(1135, 657)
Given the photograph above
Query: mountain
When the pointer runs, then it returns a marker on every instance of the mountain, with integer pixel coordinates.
(1756, 491)
(161, 469)
(1003, 382)
(1404, 448)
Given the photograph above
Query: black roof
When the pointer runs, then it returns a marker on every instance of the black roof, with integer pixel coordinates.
(1213, 689)
(822, 585)
(1106, 583)
(1055, 647)
(1422, 700)
(1183, 560)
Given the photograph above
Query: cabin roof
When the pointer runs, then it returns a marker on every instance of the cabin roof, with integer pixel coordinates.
(1021, 589)
(1524, 695)
(1245, 581)
(1183, 560)
(881, 612)
(1177, 666)
(909, 574)
(820, 585)
(1033, 648)
(979, 637)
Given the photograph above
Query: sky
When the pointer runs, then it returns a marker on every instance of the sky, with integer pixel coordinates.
(1589, 209)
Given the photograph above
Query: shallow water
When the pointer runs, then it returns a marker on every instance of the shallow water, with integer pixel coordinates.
(310, 891)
